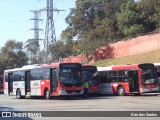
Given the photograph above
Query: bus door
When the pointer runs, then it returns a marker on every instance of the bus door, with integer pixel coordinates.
(158, 76)
(27, 82)
(53, 79)
(10, 83)
(1, 84)
(133, 80)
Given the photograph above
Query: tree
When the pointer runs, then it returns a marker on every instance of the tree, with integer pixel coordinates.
(96, 23)
(33, 52)
(12, 55)
(150, 11)
(129, 20)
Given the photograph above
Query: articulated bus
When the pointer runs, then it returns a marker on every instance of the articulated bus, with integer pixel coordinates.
(1, 84)
(157, 65)
(93, 81)
(128, 79)
(61, 79)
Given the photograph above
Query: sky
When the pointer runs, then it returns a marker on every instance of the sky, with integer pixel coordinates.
(15, 15)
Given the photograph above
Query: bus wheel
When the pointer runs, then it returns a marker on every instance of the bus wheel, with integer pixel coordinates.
(18, 94)
(137, 94)
(121, 91)
(47, 94)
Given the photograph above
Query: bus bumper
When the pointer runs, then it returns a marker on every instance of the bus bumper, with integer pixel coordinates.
(69, 92)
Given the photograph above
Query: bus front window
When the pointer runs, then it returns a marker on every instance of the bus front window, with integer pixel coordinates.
(70, 76)
(92, 74)
(149, 76)
(93, 79)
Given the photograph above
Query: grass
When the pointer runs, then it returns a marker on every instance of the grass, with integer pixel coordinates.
(147, 57)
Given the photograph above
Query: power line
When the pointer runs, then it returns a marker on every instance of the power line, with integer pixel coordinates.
(50, 36)
(35, 4)
(36, 30)
(36, 24)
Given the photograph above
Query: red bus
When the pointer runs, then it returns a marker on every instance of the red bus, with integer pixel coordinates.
(128, 79)
(61, 79)
(1, 84)
(93, 81)
(157, 65)
(17, 82)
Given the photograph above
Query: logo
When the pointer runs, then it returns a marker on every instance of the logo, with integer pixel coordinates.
(36, 84)
(6, 114)
(15, 84)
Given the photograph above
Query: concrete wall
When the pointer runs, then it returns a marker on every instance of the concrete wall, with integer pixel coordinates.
(123, 48)
(136, 45)
(76, 59)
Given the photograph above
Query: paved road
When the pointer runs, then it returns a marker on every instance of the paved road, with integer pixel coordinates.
(145, 102)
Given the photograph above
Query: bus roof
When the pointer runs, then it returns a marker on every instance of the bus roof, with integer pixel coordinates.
(156, 64)
(104, 68)
(57, 64)
(26, 67)
(51, 65)
(31, 66)
(126, 67)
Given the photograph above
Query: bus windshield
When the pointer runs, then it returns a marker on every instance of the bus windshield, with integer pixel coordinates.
(92, 74)
(70, 75)
(149, 76)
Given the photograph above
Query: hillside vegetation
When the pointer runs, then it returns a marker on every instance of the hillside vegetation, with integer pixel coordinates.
(147, 57)
(95, 23)
(91, 24)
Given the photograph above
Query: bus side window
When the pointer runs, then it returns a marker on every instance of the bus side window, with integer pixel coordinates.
(22, 78)
(6, 77)
(125, 79)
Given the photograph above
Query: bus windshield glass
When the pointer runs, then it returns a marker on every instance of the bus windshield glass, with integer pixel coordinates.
(92, 71)
(70, 74)
(149, 76)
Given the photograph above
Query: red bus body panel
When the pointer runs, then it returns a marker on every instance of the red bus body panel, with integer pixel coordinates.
(115, 86)
(125, 67)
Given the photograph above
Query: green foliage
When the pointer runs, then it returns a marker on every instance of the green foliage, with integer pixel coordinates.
(95, 23)
(89, 22)
(150, 11)
(129, 20)
(12, 55)
(31, 47)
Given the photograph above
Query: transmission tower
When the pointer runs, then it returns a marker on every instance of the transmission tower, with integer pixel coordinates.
(50, 36)
(36, 30)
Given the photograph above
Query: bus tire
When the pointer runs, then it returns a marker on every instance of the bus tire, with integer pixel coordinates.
(47, 94)
(121, 91)
(18, 94)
